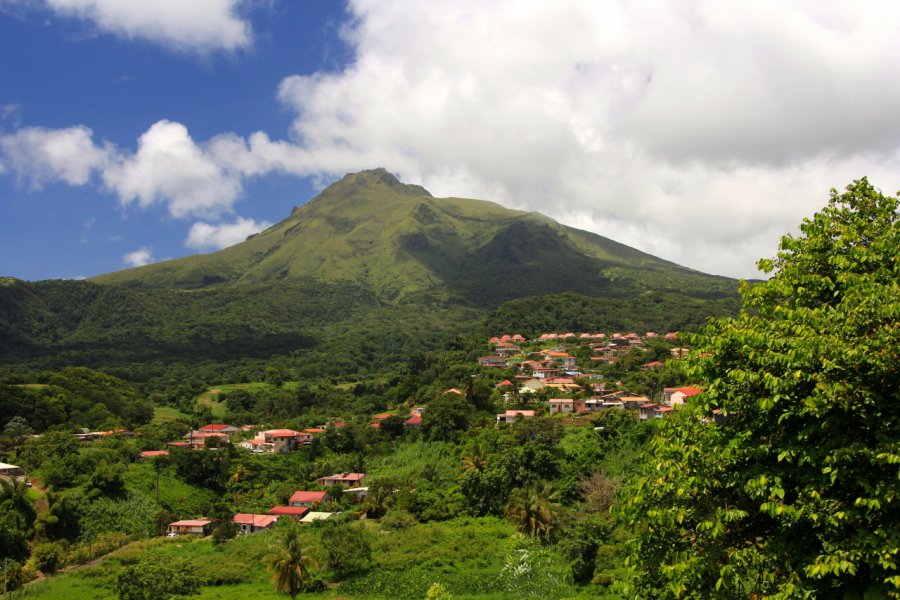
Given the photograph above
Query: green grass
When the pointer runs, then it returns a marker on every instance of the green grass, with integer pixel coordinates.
(184, 499)
(409, 460)
(164, 414)
(464, 554)
(210, 398)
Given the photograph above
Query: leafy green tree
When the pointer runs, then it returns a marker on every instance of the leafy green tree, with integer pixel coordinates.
(795, 492)
(155, 579)
(17, 429)
(291, 566)
(445, 417)
(347, 549)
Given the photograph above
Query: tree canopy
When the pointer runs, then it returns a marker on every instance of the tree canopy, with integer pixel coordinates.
(784, 479)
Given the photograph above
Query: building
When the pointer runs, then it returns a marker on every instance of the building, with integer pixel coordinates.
(511, 416)
(680, 395)
(567, 405)
(295, 512)
(189, 527)
(308, 499)
(350, 479)
(12, 472)
(249, 523)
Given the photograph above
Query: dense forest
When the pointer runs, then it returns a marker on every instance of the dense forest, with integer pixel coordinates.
(777, 478)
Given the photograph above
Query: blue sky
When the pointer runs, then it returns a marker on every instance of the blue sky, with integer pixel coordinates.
(699, 131)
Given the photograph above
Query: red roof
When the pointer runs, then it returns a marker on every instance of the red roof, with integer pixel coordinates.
(191, 523)
(504, 382)
(179, 444)
(254, 520)
(687, 390)
(308, 496)
(314, 430)
(383, 416)
(152, 453)
(215, 427)
(344, 477)
(280, 433)
(414, 420)
(294, 511)
(456, 391)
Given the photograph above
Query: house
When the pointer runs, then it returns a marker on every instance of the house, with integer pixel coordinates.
(492, 362)
(414, 421)
(648, 411)
(680, 395)
(282, 440)
(249, 523)
(220, 428)
(306, 436)
(518, 339)
(304, 498)
(12, 472)
(295, 512)
(316, 516)
(153, 453)
(567, 405)
(511, 416)
(189, 527)
(256, 445)
(359, 493)
(196, 438)
(351, 479)
(562, 358)
(531, 386)
(506, 350)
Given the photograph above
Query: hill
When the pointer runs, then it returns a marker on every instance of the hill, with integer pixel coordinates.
(399, 242)
(348, 285)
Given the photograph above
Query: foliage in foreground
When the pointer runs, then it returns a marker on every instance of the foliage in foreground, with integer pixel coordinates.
(796, 493)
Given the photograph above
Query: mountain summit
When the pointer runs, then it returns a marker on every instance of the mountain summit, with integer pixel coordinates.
(400, 242)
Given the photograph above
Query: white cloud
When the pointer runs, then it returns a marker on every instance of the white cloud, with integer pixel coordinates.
(140, 257)
(169, 167)
(701, 131)
(206, 236)
(41, 156)
(193, 25)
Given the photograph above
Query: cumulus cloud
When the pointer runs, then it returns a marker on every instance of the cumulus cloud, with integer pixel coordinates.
(140, 257)
(194, 25)
(169, 167)
(697, 130)
(41, 156)
(207, 236)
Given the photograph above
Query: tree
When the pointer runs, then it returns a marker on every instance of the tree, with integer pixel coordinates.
(445, 417)
(347, 549)
(17, 429)
(795, 492)
(155, 579)
(289, 563)
(531, 509)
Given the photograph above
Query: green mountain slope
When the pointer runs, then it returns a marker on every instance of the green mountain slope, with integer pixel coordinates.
(398, 241)
(347, 286)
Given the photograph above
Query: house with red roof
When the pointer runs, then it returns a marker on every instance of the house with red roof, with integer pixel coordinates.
(414, 421)
(567, 405)
(306, 436)
(189, 527)
(250, 523)
(496, 362)
(680, 395)
(305, 498)
(511, 416)
(219, 428)
(154, 453)
(648, 411)
(349, 479)
(295, 512)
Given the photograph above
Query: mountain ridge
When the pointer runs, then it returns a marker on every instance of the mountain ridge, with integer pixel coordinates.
(400, 241)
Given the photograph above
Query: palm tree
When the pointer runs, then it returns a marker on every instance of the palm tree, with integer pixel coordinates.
(531, 509)
(289, 565)
(474, 459)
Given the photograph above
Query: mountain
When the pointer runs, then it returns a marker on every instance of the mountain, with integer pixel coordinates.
(399, 242)
(349, 285)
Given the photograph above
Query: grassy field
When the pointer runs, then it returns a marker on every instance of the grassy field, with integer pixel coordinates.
(163, 414)
(465, 555)
(210, 398)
